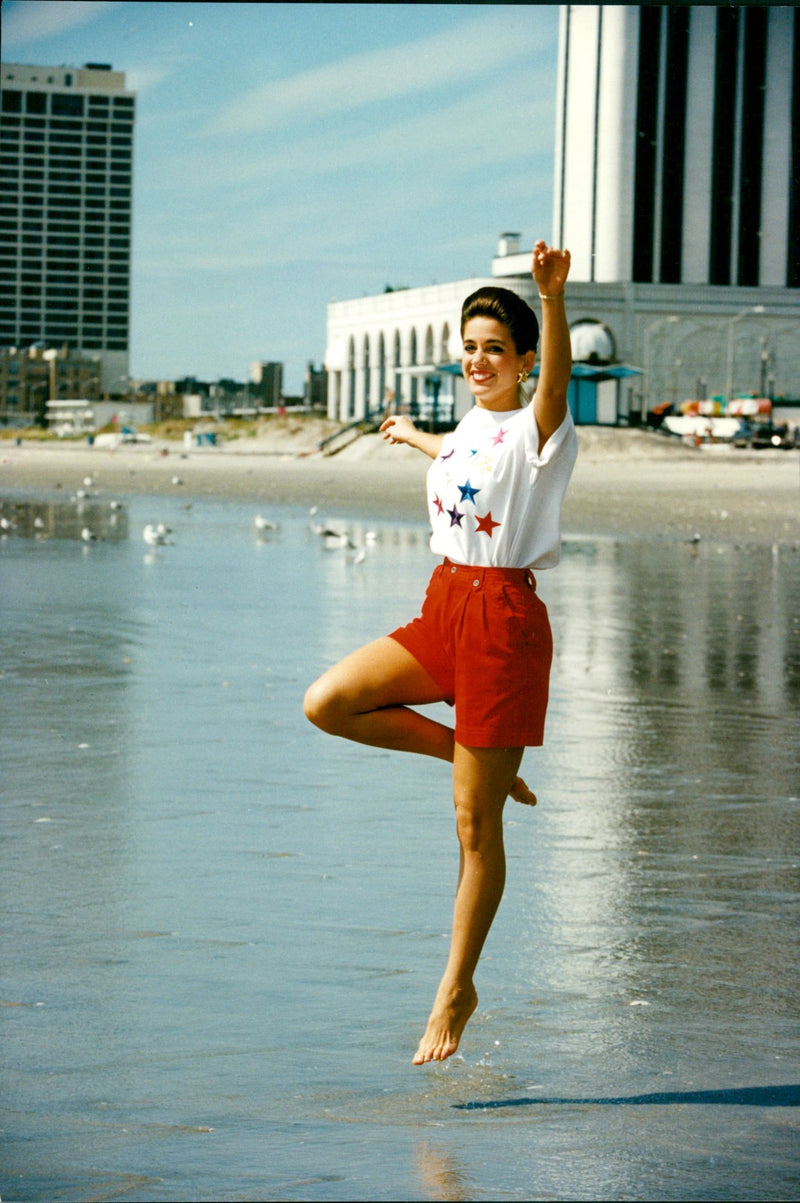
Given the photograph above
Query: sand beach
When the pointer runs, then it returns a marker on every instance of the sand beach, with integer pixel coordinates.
(627, 482)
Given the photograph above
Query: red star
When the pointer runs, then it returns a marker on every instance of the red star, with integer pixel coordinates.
(437, 502)
(486, 524)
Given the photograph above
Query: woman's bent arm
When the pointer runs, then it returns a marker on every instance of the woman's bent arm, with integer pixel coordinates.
(399, 429)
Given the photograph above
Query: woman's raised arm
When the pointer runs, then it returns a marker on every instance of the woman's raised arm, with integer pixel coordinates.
(550, 269)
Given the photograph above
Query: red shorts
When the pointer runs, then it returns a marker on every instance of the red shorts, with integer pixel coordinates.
(484, 637)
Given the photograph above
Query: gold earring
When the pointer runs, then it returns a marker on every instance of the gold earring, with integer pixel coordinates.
(523, 376)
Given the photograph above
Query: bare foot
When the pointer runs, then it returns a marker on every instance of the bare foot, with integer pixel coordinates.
(445, 1025)
(521, 793)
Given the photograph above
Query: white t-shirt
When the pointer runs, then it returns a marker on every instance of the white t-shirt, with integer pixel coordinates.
(493, 499)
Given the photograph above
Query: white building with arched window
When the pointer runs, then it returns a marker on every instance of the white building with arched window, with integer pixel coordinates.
(676, 157)
(381, 348)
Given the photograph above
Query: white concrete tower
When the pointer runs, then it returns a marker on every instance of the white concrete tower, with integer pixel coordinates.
(677, 142)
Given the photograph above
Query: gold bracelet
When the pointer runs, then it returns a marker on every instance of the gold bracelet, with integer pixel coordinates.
(544, 297)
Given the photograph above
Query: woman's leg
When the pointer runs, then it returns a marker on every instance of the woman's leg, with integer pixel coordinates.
(482, 779)
(366, 698)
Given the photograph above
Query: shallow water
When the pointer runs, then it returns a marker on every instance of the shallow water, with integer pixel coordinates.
(223, 930)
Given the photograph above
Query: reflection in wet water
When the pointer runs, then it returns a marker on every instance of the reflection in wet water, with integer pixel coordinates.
(81, 517)
(223, 930)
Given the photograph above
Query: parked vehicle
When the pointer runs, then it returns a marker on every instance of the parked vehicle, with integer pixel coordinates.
(765, 435)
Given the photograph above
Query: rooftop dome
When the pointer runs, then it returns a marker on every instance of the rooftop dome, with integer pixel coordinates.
(592, 342)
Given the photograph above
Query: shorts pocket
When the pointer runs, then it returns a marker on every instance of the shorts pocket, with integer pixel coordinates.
(522, 610)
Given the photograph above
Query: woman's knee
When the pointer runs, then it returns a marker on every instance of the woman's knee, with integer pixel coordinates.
(319, 704)
(478, 827)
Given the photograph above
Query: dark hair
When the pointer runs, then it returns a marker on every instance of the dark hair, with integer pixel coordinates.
(507, 307)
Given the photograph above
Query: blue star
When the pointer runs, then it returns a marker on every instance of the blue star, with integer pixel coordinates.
(468, 492)
(455, 517)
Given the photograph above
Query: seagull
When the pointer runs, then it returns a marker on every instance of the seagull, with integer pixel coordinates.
(261, 523)
(88, 536)
(6, 524)
(336, 538)
(332, 536)
(176, 480)
(156, 536)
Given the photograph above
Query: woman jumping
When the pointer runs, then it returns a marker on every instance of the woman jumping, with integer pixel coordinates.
(482, 641)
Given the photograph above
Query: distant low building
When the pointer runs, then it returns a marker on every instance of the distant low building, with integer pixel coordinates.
(30, 377)
(265, 387)
(315, 388)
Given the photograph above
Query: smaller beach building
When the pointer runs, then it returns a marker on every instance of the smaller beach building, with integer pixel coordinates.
(400, 351)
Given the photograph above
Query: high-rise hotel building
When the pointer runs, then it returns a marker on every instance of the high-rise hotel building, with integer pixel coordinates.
(66, 158)
(678, 144)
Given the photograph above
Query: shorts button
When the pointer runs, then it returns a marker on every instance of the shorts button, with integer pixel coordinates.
(453, 568)
(476, 583)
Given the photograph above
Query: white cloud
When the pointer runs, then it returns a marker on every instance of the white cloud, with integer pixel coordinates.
(476, 48)
(138, 79)
(462, 136)
(35, 19)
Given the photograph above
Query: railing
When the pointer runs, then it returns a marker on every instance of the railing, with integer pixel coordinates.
(340, 439)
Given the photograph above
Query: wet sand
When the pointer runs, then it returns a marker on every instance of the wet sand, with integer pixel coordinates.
(222, 929)
(627, 483)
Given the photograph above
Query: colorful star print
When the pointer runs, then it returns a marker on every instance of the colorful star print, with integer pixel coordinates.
(437, 501)
(455, 517)
(467, 492)
(486, 524)
(501, 434)
(452, 451)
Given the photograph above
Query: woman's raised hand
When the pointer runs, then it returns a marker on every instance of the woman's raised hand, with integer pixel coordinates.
(550, 268)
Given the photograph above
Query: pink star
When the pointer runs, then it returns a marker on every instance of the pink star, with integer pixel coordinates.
(501, 434)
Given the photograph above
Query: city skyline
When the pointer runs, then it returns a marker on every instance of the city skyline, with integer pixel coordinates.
(289, 154)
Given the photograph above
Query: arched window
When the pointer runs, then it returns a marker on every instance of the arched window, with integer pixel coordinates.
(365, 375)
(381, 398)
(429, 355)
(412, 359)
(397, 387)
(351, 380)
(444, 348)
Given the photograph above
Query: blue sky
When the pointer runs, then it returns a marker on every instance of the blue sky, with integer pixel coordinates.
(290, 154)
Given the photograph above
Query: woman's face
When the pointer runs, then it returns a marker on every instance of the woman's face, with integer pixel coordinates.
(491, 363)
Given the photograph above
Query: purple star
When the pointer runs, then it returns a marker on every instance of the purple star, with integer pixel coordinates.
(452, 451)
(455, 517)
